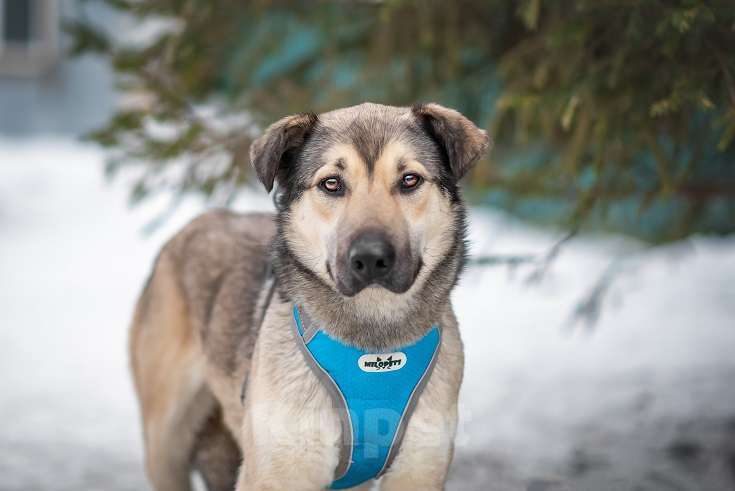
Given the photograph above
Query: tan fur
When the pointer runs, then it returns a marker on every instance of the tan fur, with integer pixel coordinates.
(290, 419)
(177, 331)
(196, 335)
(168, 369)
(420, 220)
(287, 416)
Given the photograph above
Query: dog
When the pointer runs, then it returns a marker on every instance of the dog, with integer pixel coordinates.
(367, 242)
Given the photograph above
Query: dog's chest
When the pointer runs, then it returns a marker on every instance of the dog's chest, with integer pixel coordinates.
(289, 403)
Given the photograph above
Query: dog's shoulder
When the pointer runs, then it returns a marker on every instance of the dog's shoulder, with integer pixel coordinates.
(220, 260)
(216, 242)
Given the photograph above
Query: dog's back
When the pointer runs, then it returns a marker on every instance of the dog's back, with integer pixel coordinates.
(195, 319)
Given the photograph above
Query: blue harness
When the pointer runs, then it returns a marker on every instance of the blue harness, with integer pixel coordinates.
(375, 393)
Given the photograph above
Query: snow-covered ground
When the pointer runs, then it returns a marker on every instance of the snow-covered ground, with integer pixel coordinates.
(646, 400)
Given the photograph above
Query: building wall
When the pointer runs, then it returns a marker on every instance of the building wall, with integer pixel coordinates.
(66, 97)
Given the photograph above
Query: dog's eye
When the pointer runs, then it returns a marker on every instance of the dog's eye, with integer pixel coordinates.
(410, 181)
(332, 185)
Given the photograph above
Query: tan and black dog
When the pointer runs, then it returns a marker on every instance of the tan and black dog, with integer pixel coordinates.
(369, 239)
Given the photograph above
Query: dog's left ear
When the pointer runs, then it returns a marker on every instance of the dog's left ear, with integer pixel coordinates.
(463, 142)
(267, 153)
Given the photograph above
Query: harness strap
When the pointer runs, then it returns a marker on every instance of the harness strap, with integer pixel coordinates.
(270, 283)
(375, 394)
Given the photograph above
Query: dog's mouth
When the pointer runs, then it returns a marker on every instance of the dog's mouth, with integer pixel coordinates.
(397, 282)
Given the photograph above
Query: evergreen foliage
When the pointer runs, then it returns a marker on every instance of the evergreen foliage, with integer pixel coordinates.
(618, 114)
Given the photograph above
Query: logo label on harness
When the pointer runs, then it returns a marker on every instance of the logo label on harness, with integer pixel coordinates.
(388, 362)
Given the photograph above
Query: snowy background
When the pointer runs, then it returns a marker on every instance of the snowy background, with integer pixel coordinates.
(644, 401)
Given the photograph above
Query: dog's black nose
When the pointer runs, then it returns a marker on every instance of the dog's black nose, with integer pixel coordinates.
(371, 257)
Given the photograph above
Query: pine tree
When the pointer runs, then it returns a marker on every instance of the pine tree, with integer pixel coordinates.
(618, 114)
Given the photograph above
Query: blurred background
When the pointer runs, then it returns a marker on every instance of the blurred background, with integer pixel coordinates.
(598, 309)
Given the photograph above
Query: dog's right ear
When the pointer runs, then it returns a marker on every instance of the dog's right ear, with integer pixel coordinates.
(463, 142)
(267, 152)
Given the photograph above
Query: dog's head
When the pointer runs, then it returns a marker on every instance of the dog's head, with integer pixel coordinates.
(367, 195)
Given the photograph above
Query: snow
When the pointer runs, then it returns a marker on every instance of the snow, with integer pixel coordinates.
(644, 400)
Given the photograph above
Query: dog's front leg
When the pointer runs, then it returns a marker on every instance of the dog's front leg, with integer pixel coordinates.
(290, 431)
(288, 448)
(426, 452)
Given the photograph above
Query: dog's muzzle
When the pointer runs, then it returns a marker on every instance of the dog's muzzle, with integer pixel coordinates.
(372, 259)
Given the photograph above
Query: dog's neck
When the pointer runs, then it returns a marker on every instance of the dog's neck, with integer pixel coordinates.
(374, 319)
(377, 328)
